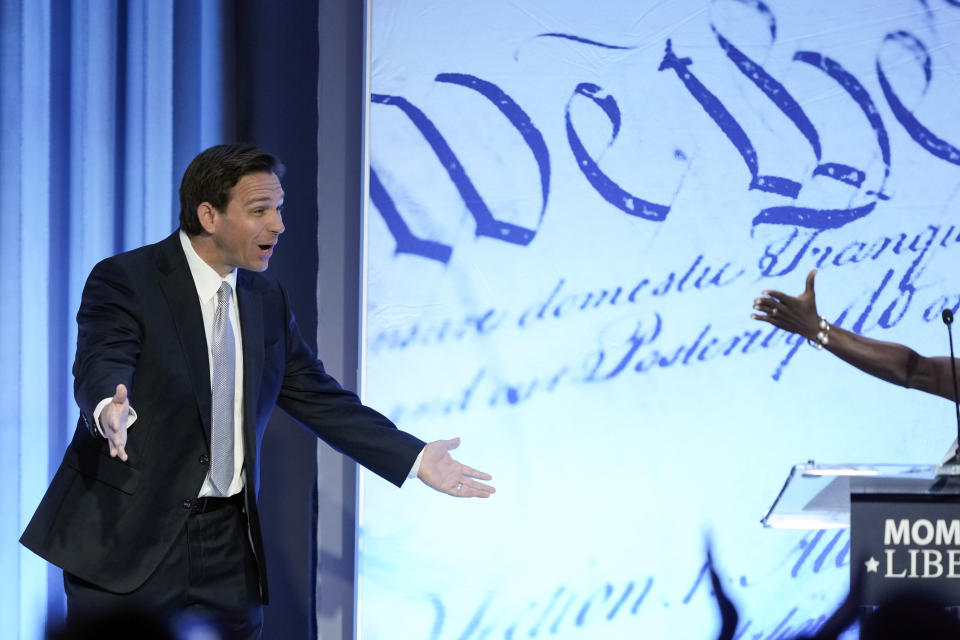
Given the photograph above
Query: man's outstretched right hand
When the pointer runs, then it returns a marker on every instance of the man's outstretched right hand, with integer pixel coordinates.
(113, 422)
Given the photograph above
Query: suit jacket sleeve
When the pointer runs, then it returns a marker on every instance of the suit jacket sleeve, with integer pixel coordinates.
(336, 415)
(109, 336)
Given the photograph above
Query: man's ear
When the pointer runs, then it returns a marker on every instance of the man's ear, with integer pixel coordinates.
(206, 214)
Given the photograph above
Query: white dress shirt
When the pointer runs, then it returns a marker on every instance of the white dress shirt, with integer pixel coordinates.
(208, 282)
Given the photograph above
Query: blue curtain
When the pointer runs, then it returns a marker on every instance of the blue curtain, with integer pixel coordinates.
(102, 104)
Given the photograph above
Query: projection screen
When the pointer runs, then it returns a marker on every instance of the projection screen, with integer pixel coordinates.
(571, 208)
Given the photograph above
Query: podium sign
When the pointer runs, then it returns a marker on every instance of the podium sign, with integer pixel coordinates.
(905, 539)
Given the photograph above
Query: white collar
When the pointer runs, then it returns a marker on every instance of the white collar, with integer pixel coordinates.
(205, 277)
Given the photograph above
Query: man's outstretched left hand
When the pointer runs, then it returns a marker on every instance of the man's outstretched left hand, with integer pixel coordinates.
(440, 471)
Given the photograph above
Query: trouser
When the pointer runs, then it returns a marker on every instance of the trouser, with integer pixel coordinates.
(209, 577)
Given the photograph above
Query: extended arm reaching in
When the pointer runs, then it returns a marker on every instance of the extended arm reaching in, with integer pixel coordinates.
(888, 361)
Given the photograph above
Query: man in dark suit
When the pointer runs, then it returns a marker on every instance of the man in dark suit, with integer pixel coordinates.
(184, 348)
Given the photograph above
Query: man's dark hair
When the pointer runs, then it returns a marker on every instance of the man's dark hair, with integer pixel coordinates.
(212, 174)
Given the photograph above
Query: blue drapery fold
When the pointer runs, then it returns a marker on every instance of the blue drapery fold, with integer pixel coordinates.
(102, 104)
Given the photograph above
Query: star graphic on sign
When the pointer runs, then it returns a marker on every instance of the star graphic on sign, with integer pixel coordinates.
(872, 565)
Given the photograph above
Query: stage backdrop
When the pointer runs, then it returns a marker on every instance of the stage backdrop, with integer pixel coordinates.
(571, 208)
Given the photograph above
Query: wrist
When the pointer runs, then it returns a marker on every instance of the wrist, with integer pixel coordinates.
(820, 337)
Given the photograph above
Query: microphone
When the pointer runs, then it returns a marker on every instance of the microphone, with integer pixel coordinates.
(947, 316)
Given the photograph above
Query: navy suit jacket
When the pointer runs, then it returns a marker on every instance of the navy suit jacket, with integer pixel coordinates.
(111, 522)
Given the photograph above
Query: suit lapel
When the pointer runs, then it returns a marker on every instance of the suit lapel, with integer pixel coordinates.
(181, 297)
(250, 307)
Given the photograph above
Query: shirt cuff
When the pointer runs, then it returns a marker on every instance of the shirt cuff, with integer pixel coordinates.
(415, 470)
(132, 417)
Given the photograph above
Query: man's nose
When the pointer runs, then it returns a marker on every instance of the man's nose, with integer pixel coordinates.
(276, 225)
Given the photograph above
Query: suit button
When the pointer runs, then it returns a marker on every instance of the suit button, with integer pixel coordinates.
(204, 460)
(188, 503)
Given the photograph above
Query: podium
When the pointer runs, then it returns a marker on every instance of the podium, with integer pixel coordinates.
(904, 523)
